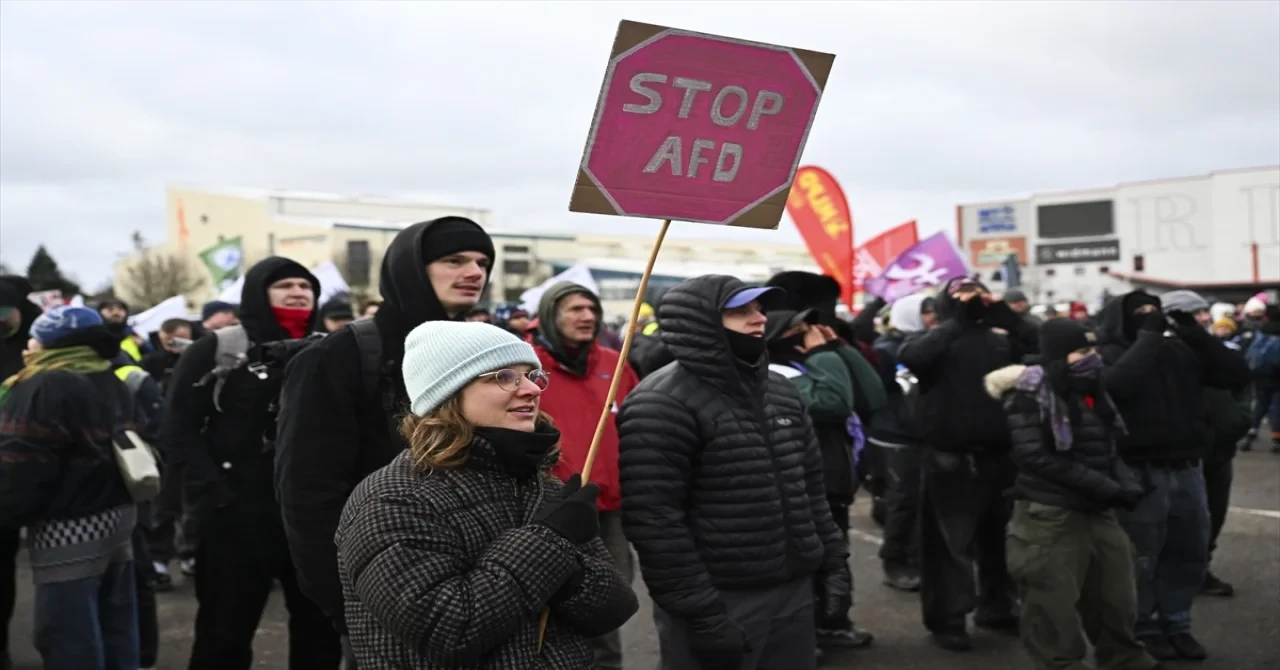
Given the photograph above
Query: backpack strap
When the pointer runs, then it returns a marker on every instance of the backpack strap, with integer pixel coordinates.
(232, 353)
(373, 369)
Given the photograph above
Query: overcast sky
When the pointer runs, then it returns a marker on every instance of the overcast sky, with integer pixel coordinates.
(487, 104)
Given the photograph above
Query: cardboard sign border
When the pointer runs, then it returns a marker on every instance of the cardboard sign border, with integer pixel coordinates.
(766, 213)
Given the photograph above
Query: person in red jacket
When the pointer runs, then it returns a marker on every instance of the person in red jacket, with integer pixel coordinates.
(570, 319)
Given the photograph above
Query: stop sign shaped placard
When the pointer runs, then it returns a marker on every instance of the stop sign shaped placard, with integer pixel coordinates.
(697, 127)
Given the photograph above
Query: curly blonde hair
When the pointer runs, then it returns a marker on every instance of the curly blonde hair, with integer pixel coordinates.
(439, 440)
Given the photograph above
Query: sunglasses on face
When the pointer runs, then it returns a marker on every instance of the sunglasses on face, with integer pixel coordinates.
(509, 380)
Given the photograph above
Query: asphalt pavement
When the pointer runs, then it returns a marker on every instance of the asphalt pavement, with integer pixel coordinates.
(1241, 633)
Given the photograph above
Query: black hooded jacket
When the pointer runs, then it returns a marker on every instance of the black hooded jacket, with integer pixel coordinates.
(331, 432)
(722, 479)
(1157, 380)
(954, 413)
(223, 455)
(15, 289)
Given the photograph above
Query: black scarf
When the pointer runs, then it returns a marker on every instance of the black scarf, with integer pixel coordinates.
(520, 453)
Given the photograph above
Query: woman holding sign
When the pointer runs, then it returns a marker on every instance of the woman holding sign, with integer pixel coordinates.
(449, 554)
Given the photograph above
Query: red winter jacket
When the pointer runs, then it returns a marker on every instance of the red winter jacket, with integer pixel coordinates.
(574, 403)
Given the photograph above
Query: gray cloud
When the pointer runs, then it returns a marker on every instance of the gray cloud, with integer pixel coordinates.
(487, 104)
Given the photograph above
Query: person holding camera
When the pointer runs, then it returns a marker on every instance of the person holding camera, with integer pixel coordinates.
(1156, 368)
(218, 417)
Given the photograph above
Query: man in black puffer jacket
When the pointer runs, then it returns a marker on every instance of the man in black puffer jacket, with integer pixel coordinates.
(722, 490)
(965, 468)
(1157, 368)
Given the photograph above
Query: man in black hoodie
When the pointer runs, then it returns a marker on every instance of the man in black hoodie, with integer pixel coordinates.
(1157, 367)
(333, 432)
(218, 430)
(16, 314)
(722, 491)
(965, 468)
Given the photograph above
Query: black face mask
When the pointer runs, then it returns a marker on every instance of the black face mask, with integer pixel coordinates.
(784, 350)
(115, 328)
(974, 309)
(747, 348)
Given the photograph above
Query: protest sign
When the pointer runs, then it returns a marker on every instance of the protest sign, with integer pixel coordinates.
(930, 262)
(700, 128)
(821, 213)
(693, 127)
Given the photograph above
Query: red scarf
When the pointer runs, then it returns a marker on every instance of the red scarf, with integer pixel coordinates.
(294, 321)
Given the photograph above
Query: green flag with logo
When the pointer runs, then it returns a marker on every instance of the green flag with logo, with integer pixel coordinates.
(223, 260)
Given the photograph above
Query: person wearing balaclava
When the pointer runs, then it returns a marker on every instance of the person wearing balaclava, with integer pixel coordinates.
(569, 347)
(965, 466)
(722, 490)
(345, 393)
(60, 481)
(115, 315)
(1156, 368)
(822, 366)
(894, 432)
(227, 475)
(1066, 549)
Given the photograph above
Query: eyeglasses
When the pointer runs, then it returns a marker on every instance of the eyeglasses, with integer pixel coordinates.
(509, 380)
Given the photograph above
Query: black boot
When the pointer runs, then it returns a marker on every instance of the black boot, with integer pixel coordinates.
(1159, 647)
(955, 640)
(1213, 586)
(1188, 647)
(902, 578)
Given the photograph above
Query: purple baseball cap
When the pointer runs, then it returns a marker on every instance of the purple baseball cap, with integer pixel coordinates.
(766, 295)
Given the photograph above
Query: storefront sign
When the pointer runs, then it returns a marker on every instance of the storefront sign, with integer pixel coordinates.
(990, 252)
(1095, 251)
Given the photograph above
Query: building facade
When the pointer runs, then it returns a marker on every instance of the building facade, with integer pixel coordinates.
(354, 232)
(1217, 233)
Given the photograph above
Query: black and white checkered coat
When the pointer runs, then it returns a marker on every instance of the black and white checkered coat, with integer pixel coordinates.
(445, 570)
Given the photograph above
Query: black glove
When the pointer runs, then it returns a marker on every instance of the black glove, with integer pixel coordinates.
(837, 595)
(572, 514)
(1154, 322)
(718, 644)
(1194, 335)
(1001, 315)
(1129, 498)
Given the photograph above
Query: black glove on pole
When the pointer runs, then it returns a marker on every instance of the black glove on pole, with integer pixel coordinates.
(572, 514)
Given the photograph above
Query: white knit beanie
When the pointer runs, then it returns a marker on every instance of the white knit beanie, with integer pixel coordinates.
(441, 357)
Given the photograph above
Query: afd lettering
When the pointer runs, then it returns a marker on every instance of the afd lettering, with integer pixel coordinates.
(731, 105)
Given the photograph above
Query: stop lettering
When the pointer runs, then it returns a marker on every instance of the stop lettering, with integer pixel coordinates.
(698, 127)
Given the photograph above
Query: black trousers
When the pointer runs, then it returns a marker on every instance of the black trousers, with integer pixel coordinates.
(840, 513)
(963, 513)
(144, 580)
(901, 548)
(10, 540)
(1217, 486)
(242, 552)
(168, 532)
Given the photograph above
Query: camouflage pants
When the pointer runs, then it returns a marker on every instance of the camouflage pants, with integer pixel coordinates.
(1074, 573)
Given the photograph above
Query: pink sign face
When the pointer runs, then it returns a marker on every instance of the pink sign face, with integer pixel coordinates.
(699, 128)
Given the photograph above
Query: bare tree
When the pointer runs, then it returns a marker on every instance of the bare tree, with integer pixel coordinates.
(154, 276)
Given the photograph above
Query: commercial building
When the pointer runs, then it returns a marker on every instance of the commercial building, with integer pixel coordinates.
(1217, 233)
(354, 232)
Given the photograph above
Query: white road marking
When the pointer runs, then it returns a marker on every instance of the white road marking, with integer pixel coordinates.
(867, 537)
(1268, 513)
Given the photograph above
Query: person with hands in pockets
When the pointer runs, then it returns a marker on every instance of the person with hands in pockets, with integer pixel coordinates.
(449, 554)
(723, 494)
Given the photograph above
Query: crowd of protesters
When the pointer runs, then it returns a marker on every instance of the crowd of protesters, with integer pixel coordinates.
(408, 472)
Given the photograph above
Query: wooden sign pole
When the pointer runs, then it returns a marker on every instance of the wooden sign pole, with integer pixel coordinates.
(607, 411)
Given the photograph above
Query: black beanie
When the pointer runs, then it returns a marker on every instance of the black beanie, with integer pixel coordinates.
(453, 234)
(288, 271)
(1059, 337)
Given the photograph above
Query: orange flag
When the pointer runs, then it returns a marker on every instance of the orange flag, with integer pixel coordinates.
(821, 214)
